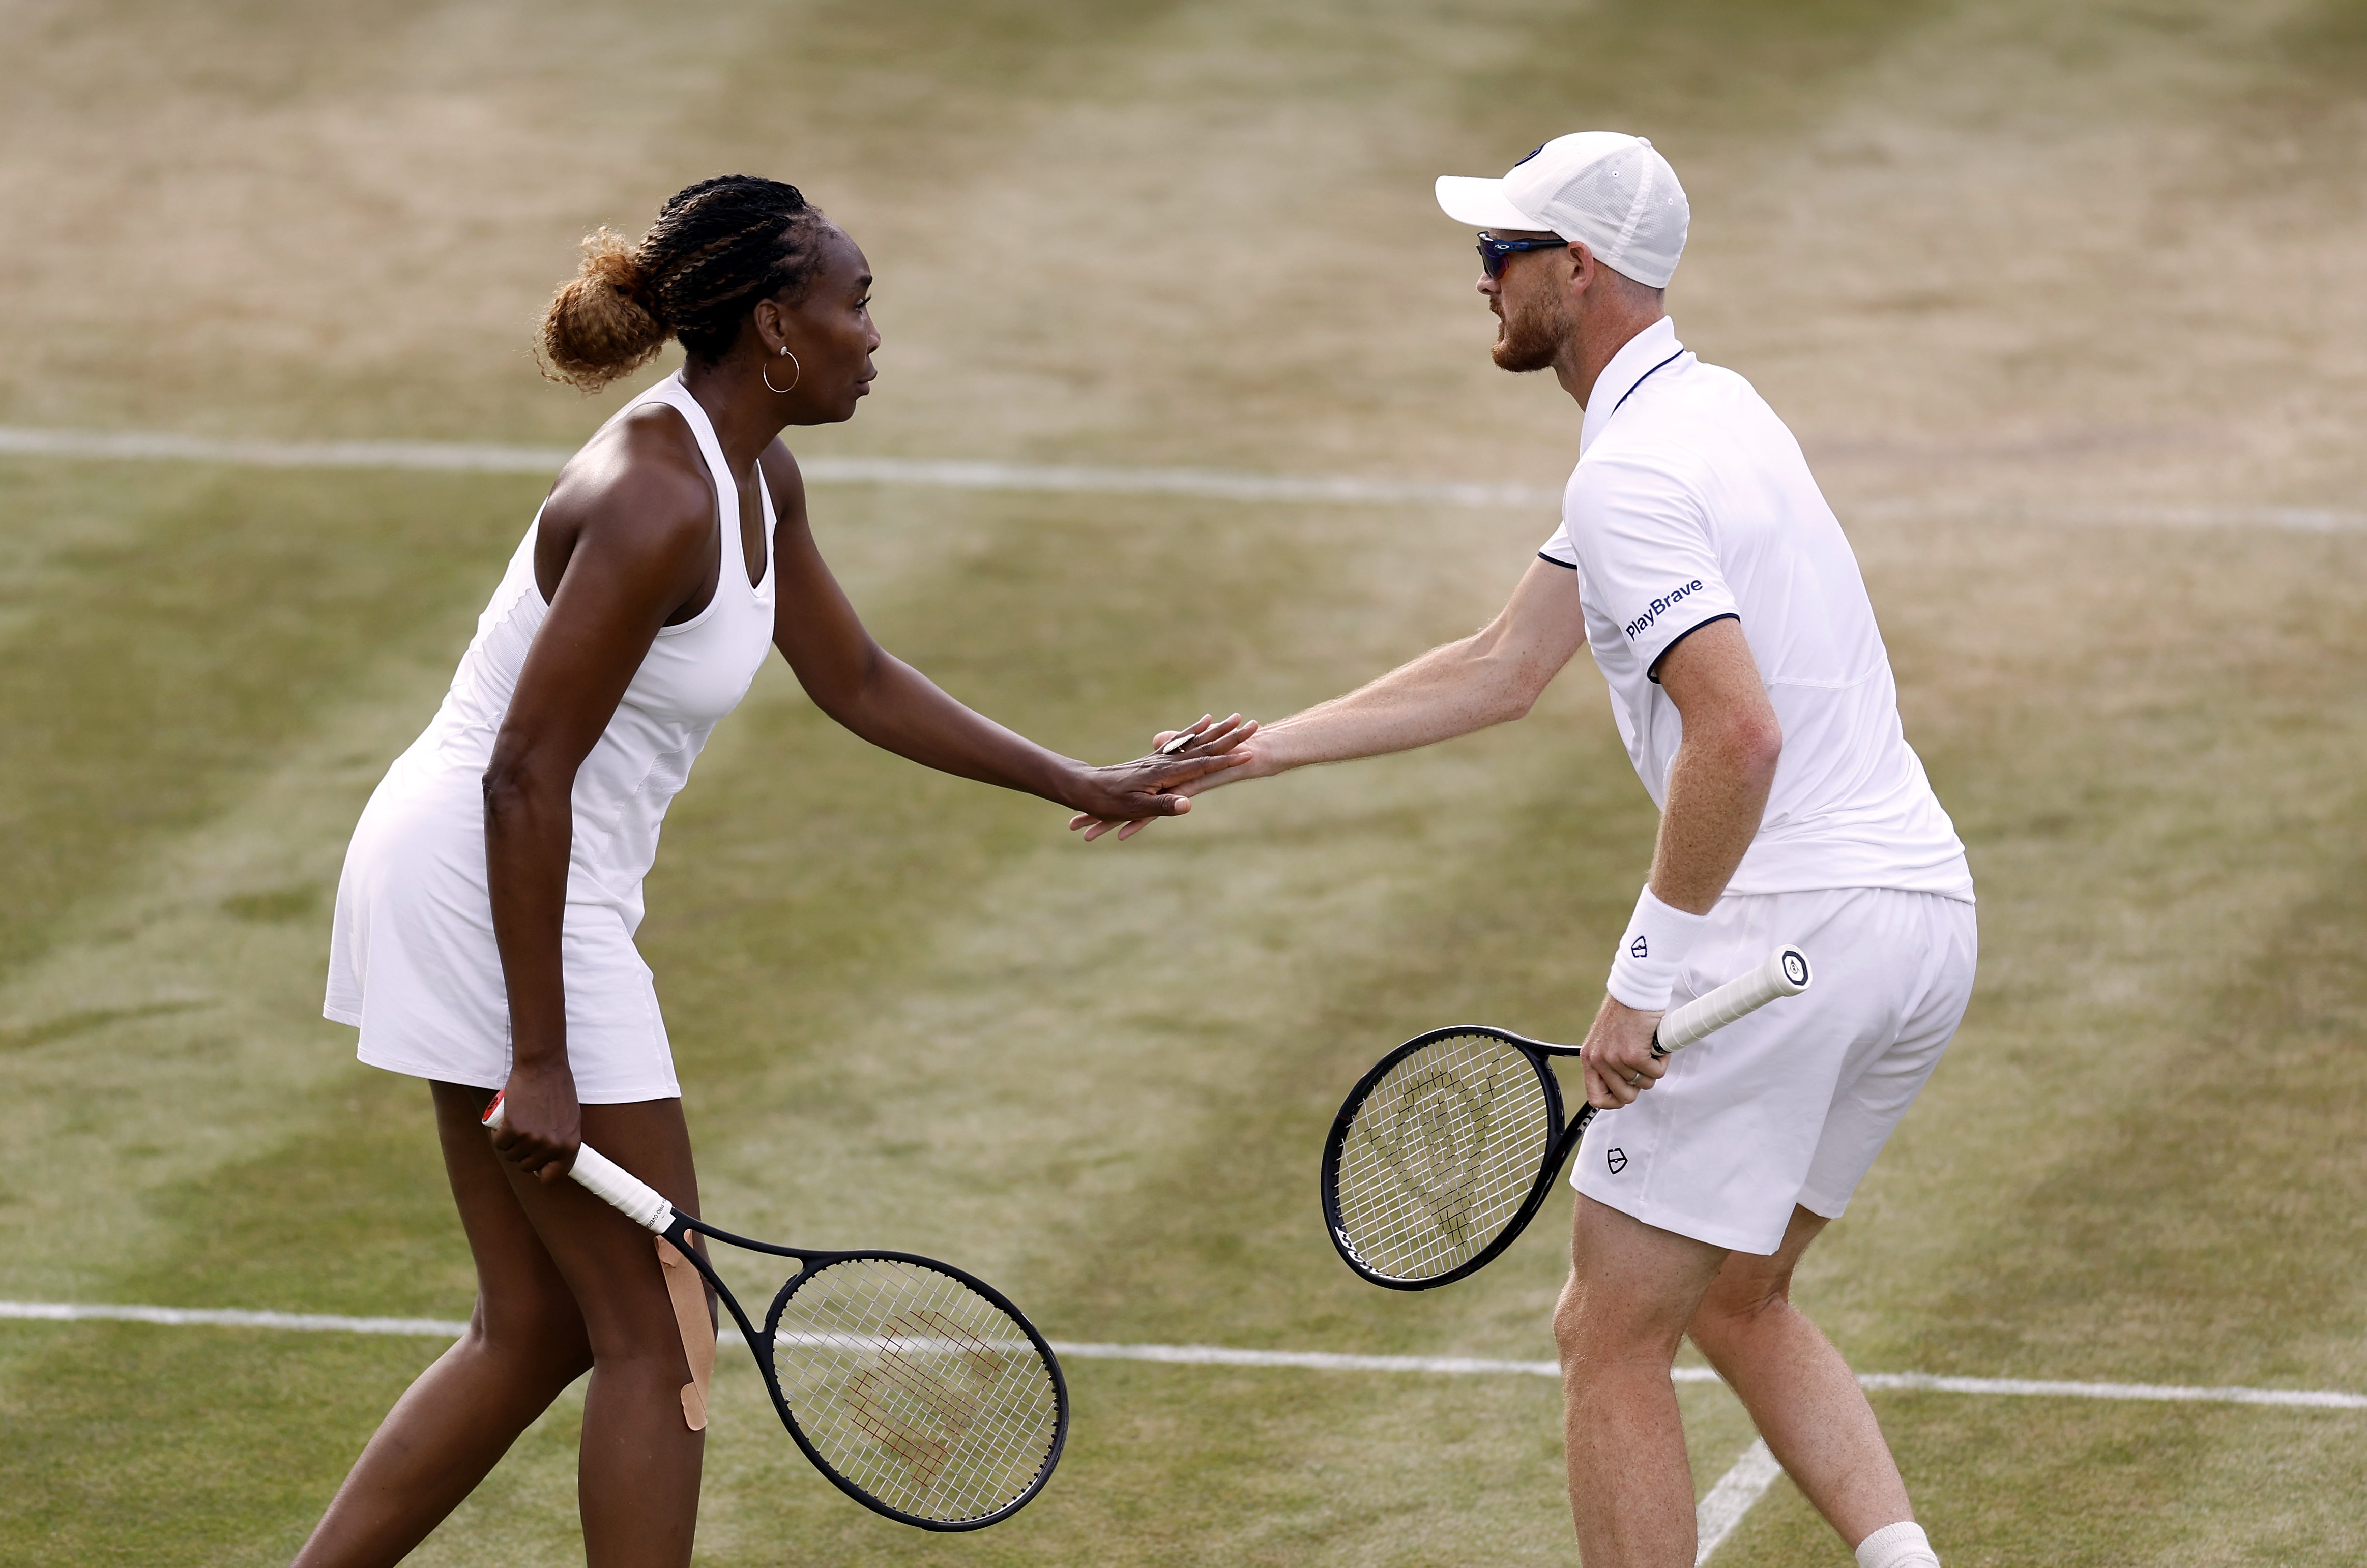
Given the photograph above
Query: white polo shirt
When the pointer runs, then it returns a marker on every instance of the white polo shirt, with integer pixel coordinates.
(1691, 504)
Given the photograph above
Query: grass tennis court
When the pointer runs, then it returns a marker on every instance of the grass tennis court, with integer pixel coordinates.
(2061, 300)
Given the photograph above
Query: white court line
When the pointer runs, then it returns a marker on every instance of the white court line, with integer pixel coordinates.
(231, 1317)
(435, 456)
(1716, 1514)
(1214, 484)
(2089, 515)
(1314, 1360)
(1225, 1355)
(439, 457)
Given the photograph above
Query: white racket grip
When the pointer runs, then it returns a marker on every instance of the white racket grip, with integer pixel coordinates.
(621, 1190)
(1785, 974)
(608, 1182)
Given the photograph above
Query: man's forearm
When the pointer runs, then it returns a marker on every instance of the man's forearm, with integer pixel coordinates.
(1718, 796)
(1723, 768)
(1493, 675)
(1449, 690)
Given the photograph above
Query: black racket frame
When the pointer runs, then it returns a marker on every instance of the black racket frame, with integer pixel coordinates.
(1560, 1142)
(811, 1263)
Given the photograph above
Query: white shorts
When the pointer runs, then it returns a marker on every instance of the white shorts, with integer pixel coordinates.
(413, 966)
(1791, 1104)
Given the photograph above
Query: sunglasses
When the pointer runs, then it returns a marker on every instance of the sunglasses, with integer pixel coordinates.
(1494, 253)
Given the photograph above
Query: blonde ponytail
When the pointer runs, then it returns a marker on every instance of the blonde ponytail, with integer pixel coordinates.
(597, 329)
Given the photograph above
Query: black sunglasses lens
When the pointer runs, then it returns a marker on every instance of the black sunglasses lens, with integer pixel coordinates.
(1491, 260)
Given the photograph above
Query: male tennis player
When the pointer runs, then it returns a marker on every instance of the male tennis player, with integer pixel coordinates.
(1698, 560)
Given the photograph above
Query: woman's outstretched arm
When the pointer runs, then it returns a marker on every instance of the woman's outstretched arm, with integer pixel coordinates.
(893, 705)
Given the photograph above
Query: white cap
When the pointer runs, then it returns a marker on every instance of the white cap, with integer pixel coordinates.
(1614, 193)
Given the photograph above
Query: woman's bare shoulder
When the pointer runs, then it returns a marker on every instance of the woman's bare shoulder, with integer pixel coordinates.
(640, 480)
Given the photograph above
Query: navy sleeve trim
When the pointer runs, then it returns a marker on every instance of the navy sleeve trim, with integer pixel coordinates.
(1653, 674)
(1565, 565)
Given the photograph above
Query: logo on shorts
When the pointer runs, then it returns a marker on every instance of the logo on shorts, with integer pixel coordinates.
(1638, 948)
(1617, 1159)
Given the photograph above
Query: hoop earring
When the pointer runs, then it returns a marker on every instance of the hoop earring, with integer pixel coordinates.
(766, 371)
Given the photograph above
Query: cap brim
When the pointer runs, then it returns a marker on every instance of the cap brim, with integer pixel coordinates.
(1483, 205)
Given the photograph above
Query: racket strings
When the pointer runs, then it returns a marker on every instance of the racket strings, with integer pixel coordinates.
(916, 1389)
(1441, 1156)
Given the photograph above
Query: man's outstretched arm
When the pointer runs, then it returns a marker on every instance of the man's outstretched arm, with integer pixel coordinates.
(1493, 675)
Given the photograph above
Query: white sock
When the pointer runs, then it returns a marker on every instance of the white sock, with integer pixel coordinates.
(1902, 1545)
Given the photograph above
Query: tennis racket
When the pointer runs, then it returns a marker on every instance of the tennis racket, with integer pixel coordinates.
(919, 1390)
(1443, 1153)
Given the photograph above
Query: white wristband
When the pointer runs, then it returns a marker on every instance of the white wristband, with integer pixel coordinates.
(1654, 946)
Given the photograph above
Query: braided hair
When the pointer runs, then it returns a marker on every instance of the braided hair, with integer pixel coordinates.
(716, 249)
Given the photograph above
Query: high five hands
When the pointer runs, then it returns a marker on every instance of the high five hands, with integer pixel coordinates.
(1181, 763)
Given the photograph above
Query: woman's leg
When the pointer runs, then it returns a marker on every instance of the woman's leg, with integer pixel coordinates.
(525, 1342)
(639, 1467)
(564, 1284)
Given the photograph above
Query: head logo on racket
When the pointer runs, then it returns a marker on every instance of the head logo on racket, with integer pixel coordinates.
(1446, 1148)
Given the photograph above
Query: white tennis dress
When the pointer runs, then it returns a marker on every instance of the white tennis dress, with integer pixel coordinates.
(412, 960)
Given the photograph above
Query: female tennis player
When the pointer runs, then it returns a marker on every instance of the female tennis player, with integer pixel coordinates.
(484, 924)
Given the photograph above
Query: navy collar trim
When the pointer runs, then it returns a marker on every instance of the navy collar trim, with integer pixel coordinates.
(1646, 377)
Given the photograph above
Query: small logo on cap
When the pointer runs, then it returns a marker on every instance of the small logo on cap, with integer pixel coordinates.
(1638, 948)
(1530, 153)
(1617, 1159)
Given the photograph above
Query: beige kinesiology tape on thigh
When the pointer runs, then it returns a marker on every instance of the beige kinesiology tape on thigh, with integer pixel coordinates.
(688, 1292)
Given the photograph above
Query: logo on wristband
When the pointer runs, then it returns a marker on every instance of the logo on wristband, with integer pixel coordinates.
(1638, 948)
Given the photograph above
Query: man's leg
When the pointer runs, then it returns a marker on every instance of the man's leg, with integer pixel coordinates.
(1632, 1290)
(1801, 1394)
